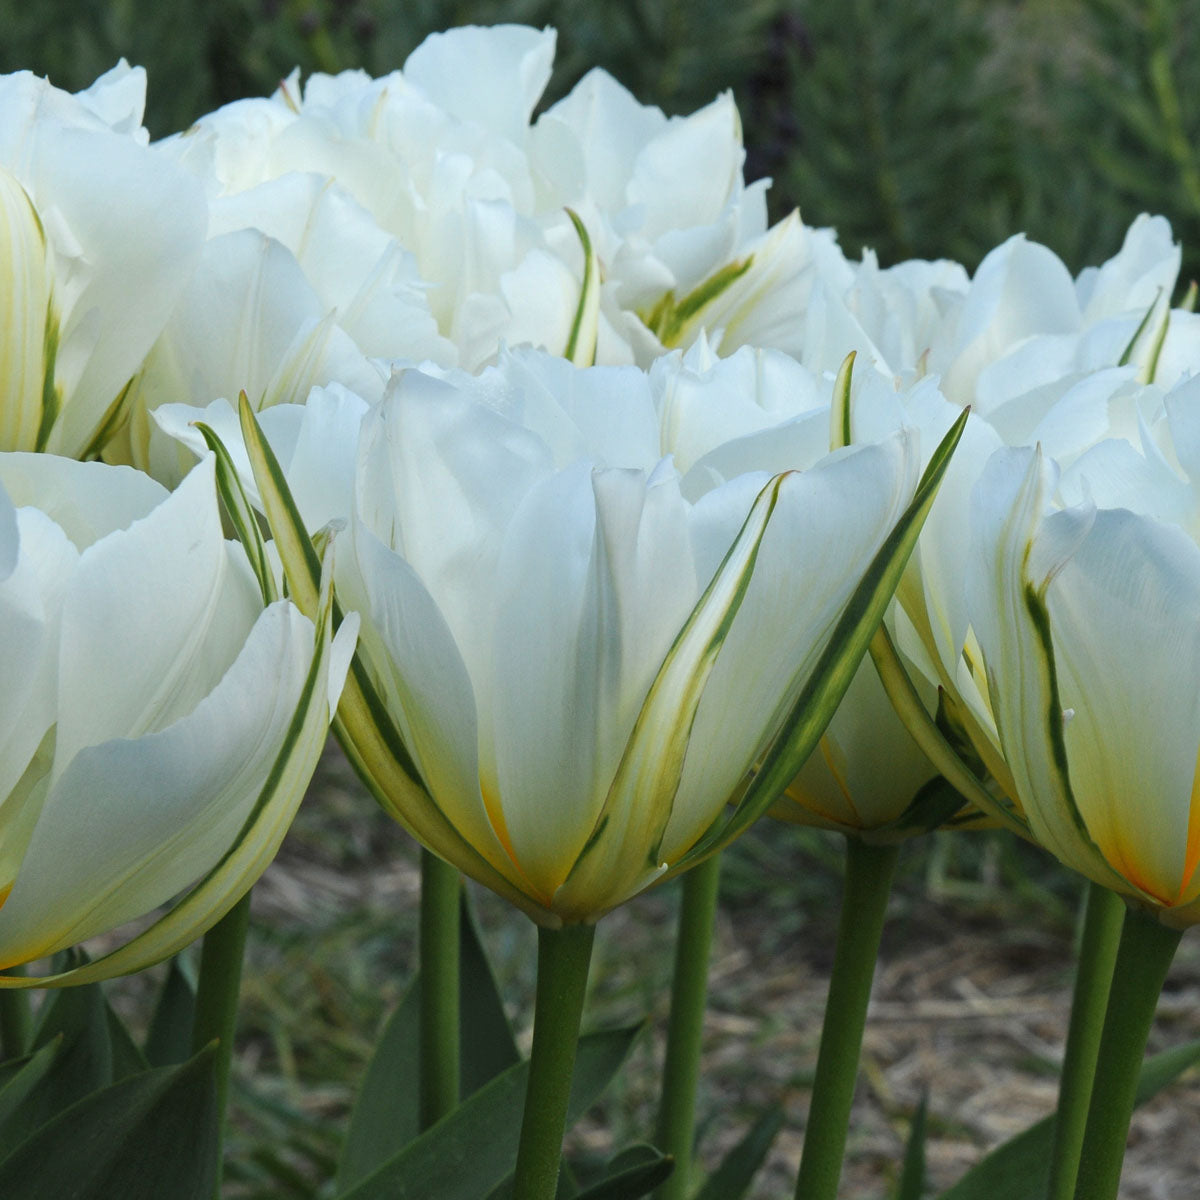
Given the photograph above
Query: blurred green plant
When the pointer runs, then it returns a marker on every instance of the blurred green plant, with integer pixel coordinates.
(925, 129)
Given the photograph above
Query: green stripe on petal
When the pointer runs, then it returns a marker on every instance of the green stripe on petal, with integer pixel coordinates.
(585, 328)
(241, 514)
(840, 426)
(821, 693)
(1146, 345)
(639, 802)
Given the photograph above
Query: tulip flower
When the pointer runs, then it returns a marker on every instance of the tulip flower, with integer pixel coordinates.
(98, 237)
(159, 725)
(1086, 620)
(569, 668)
(446, 158)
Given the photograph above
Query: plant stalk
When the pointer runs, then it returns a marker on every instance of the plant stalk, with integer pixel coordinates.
(1104, 915)
(217, 989)
(868, 883)
(689, 994)
(439, 1056)
(563, 959)
(1143, 959)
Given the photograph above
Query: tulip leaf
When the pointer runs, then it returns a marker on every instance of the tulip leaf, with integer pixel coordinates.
(823, 690)
(733, 1177)
(18, 1098)
(911, 1185)
(80, 1017)
(473, 1149)
(241, 514)
(151, 1136)
(255, 844)
(370, 737)
(1020, 1168)
(585, 328)
(169, 1038)
(487, 1043)
(385, 1115)
(633, 1173)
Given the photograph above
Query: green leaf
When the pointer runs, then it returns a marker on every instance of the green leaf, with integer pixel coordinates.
(472, 1150)
(487, 1043)
(733, 1177)
(1020, 1168)
(80, 1016)
(169, 1038)
(152, 1136)
(911, 1185)
(385, 1116)
(634, 1172)
(27, 1074)
(127, 1057)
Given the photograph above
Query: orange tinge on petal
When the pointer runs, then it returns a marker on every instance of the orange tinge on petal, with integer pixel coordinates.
(495, 813)
(1187, 885)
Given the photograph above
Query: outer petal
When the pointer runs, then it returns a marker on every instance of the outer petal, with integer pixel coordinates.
(139, 820)
(1008, 617)
(154, 617)
(1125, 618)
(470, 72)
(828, 525)
(595, 581)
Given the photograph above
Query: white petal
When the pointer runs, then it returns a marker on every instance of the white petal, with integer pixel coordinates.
(154, 616)
(828, 524)
(130, 823)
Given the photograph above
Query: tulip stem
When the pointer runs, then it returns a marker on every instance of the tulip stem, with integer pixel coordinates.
(563, 959)
(689, 992)
(1104, 914)
(16, 1019)
(439, 1056)
(217, 990)
(868, 883)
(1143, 959)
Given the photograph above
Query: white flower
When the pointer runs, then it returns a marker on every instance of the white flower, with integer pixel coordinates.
(158, 726)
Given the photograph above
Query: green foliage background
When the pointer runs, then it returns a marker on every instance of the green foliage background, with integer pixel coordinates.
(929, 128)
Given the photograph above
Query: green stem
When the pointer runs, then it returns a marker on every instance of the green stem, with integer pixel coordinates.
(439, 1056)
(217, 1001)
(869, 871)
(1103, 917)
(563, 958)
(689, 991)
(16, 1019)
(1143, 959)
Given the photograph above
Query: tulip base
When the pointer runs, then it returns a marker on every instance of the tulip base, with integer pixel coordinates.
(689, 991)
(1104, 915)
(868, 884)
(564, 956)
(1143, 959)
